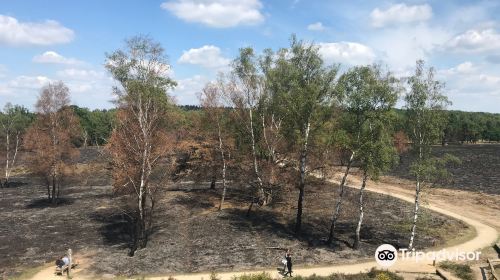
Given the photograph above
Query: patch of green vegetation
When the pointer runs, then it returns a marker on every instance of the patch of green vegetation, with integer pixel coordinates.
(461, 271)
(372, 275)
(214, 276)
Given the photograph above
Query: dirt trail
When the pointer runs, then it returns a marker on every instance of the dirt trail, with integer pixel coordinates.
(443, 201)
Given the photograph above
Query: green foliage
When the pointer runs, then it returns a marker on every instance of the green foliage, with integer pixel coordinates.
(472, 127)
(434, 169)
(14, 119)
(462, 271)
(142, 70)
(303, 84)
(96, 124)
(426, 121)
(368, 96)
(424, 106)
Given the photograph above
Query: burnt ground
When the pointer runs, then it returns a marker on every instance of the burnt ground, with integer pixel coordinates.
(190, 235)
(478, 172)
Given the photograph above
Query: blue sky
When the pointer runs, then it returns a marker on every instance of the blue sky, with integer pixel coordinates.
(43, 41)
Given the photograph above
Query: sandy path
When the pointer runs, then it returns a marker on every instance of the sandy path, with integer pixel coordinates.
(458, 208)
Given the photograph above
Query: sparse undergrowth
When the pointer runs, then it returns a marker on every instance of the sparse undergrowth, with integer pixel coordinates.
(461, 271)
(371, 275)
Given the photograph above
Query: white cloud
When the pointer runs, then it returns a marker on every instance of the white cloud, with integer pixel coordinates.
(88, 88)
(401, 46)
(400, 13)
(55, 58)
(472, 87)
(80, 74)
(207, 56)
(15, 33)
(187, 89)
(317, 26)
(347, 53)
(461, 69)
(217, 13)
(29, 82)
(476, 41)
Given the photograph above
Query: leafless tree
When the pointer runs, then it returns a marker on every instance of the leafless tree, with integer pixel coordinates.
(212, 100)
(50, 137)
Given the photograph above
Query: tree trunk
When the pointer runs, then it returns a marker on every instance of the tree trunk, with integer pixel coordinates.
(7, 145)
(70, 257)
(417, 200)
(221, 149)
(213, 181)
(361, 211)
(302, 181)
(415, 214)
(339, 201)
(262, 194)
(48, 190)
(54, 199)
(250, 208)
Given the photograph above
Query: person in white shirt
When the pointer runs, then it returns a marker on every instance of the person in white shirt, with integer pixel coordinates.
(65, 259)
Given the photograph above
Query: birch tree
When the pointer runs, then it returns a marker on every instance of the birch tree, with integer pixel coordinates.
(305, 87)
(212, 101)
(50, 138)
(13, 122)
(141, 138)
(368, 96)
(424, 104)
(377, 153)
(247, 90)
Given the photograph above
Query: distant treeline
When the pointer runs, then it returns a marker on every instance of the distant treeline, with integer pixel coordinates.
(462, 127)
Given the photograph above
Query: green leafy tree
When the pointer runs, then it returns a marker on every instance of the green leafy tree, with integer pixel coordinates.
(368, 96)
(424, 106)
(14, 120)
(305, 87)
(245, 93)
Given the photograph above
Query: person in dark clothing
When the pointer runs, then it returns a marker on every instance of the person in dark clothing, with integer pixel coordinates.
(289, 264)
(60, 262)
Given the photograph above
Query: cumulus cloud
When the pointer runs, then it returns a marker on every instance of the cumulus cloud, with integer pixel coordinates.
(472, 87)
(88, 88)
(49, 32)
(187, 89)
(400, 47)
(400, 13)
(318, 26)
(55, 58)
(475, 41)
(217, 13)
(80, 74)
(346, 52)
(29, 82)
(207, 56)
(461, 69)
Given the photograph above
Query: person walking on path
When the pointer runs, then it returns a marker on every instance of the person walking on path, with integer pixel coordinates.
(288, 258)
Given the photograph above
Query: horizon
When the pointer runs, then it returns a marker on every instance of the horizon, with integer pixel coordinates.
(43, 42)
